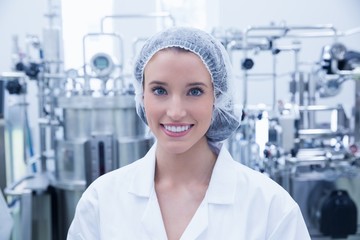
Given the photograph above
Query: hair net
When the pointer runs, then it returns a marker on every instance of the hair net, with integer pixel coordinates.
(216, 60)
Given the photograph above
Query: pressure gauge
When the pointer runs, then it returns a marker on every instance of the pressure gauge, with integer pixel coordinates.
(102, 64)
(72, 73)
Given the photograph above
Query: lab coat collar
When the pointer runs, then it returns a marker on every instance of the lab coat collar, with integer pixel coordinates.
(142, 183)
(221, 191)
(152, 219)
(221, 187)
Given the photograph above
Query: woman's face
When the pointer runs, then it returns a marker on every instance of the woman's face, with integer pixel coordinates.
(178, 99)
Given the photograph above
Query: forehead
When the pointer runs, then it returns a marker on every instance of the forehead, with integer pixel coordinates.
(171, 51)
(176, 65)
(176, 61)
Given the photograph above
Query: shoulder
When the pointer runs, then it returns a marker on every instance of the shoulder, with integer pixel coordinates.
(100, 200)
(134, 178)
(117, 179)
(245, 174)
(258, 181)
(257, 187)
(261, 201)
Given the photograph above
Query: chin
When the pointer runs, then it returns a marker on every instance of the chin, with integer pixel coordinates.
(175, 147)
(179, 147)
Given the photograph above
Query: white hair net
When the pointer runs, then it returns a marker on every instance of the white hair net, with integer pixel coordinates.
(215, 58)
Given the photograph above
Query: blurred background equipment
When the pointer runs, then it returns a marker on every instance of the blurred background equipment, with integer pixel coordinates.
(67, 109)
(316, 161)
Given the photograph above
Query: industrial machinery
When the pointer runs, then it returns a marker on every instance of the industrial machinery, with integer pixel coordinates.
(88, 126)
(2, 139)
(316, 162)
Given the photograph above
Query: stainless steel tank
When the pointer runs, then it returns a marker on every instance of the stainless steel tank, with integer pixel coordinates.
(100, 134)
(328, 193)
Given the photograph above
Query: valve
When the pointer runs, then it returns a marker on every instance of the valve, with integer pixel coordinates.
(14, 87)
(247, 64)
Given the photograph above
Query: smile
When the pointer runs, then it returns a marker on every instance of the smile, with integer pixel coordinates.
(177, 129)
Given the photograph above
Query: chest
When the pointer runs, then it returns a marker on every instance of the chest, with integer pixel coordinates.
(178, 207)
(141, 218)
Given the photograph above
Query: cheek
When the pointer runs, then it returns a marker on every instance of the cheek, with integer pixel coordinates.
(204, 111)
(210, 114)
(151, 108)
(146, 99)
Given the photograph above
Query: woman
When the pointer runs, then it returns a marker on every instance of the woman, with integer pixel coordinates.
(187, 186)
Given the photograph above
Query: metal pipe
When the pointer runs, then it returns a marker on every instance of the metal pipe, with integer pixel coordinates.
(336, 70)
(274, 83)
(281, 31)
(315, 27)
(319, 132)
(149, 15)
(58, 76)
(245, 85)
(296, 57)
(229, 48)
(285, 31)
(260, 75)
(296, 70)
(318, 108)
(12, 191)
(301, 90)
(11, 75)
(26, 215)
(357, 113)
(42, 130)
(266, 28)
(52, 114)
(351, 31)
(311, 99)
(135, 43)
(245, 46)
(328, 34)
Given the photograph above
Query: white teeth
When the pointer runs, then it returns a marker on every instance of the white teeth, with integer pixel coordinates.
(176, 128)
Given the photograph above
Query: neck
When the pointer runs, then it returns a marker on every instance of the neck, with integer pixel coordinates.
(194, 165)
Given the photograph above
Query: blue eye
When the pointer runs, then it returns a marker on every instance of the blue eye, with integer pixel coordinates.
(159, 91)
(195, 92)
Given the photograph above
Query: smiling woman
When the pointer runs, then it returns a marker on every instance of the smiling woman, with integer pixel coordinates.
(178, 98)
(215, 59)
(187, 186)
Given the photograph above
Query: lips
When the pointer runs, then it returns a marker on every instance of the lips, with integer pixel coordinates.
(177, 130)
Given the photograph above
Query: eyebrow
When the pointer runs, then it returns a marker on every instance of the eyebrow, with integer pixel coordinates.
(197, 84)
(155, 82)
(193, 84)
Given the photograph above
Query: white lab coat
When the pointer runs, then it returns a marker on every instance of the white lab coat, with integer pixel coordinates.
(240, 203)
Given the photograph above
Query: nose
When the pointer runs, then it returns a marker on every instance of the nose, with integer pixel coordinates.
(176, 108)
